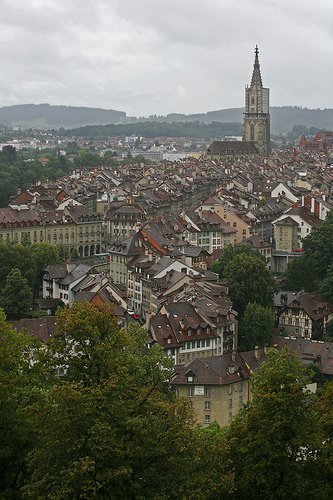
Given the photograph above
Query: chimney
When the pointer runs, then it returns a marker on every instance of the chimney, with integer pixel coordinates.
(70, 266)
(312, 205)
(148, 319)
(231, 369)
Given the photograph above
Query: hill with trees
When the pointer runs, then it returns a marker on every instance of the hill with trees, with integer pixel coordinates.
(46, 116)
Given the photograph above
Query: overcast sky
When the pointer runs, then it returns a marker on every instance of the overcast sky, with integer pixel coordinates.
(161, 56)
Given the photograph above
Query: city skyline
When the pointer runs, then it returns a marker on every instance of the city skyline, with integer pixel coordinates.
(162, 57)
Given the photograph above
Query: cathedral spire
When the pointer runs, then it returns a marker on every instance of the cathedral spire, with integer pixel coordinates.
(256, 76)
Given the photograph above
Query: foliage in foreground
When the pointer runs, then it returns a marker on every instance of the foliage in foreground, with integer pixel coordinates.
(111, 428)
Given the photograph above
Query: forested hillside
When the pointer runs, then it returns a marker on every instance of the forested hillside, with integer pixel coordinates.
(46, 116)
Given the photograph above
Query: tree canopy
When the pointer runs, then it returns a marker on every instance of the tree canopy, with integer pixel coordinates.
(319, 246)
(273, 439)
(16, 296)
(30, 260)
(91, 414)
(110, 427)
(255, 328)
(301, 274)
(249, 280)
(229, 252)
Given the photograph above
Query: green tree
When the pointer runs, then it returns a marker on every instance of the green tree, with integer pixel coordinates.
(319, 246)
(249, 281)
(111, 425)
(272, 440)
(43, 254)
(326, 287)
(16, 296)
(9, 154)
(255, 328)
(16, 256)
(301, 274)
(229, 252)
(324, 470)
(21, 386)
(329, 331)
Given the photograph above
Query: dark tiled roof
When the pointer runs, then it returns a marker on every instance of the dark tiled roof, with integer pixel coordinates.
(56, 271)
(313, 304)
(43, 328)
(9, 215)
(308, 351)
(232, 148)
(216, 370)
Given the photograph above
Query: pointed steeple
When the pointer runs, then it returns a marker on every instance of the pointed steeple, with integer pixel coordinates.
(256, 76)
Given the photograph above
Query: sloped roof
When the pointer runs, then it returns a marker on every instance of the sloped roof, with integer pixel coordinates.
(43, 328)
(214, 370)
(232, 148)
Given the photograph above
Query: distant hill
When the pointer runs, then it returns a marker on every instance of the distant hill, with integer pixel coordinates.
(282, 118)
(215, 130)
(45, 116)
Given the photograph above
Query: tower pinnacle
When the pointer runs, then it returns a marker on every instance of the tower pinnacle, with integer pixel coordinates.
(256, 76)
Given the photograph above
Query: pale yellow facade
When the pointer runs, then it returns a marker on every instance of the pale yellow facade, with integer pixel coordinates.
(215, 403)
(85, 237)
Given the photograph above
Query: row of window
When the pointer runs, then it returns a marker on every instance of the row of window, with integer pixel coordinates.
(195, 344)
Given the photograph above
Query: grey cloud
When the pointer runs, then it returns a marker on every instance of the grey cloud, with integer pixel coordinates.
(158, 56)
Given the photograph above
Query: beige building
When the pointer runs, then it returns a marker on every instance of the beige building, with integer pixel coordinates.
(286, 235)
(216, 387)
(240, 227)
(85, 233)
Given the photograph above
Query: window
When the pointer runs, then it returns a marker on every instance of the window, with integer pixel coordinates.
(229, 416)
(207, 419)
(230, 389)
(190, 379)
(229, 403)
(240, 400)
(207, 405)
(190, 391)
(207, 392)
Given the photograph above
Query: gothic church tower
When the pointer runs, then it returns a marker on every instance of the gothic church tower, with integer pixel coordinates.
(256, 116)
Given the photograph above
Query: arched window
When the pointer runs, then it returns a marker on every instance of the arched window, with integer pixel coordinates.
(252, 132)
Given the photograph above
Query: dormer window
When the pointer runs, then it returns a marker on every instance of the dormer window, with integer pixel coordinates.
(190, 378)
(169, 340)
